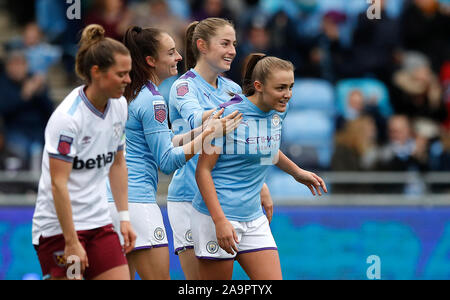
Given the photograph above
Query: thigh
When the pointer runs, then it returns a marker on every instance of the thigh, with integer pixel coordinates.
(189, 264)
(117, 273)
(151, 264)
(210, 269)
(104, 251)
(261, 265)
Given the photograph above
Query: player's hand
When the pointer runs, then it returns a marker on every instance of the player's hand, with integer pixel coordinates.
(227, 237)
(219, 127)
(312, 181)
(129, 236)
(76, 249)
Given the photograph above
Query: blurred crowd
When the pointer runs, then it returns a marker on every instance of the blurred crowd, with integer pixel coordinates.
(405, 50)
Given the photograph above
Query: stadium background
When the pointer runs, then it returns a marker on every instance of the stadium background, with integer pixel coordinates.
(389, 186)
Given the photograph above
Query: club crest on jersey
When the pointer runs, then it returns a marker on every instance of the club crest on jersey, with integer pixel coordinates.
(182, 89)
(117, 130)
(64, 144)
(276, 120)
(160, 110)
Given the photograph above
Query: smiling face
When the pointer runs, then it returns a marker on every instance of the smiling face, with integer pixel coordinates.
(168, 57)
(275, 93)
(112, 81)
(220, 51)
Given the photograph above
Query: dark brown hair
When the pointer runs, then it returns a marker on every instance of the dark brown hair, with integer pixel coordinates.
(141, 43)
(200, 30)
(96, 50)
(258, 66)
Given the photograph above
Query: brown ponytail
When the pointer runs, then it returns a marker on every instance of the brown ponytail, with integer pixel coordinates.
(258, 67)
(141, 43)
(96, 50)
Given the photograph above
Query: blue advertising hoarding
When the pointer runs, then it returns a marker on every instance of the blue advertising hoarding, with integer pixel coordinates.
(315, 242)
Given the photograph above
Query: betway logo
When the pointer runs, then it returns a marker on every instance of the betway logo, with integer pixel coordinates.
(263, 139)
(100, 161)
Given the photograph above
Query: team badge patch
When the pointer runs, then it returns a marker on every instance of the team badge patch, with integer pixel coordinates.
(188, 236)
(59, 259)
(160, 110)
(276, 120)
(212, 247)
(65, 142)
(159, 234)
(182, 89)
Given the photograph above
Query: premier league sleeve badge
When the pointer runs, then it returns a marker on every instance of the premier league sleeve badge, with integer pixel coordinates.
(160, 111)
(64, 144)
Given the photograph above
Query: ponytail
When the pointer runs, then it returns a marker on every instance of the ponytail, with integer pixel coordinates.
(191, 51)
(96, 50)
(258, 67)
(141, 43)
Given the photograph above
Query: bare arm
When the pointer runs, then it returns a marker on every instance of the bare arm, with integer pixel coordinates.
(59, 173)
(311, 180)
(118, 178)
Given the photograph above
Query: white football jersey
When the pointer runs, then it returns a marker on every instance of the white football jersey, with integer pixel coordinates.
(80, 134)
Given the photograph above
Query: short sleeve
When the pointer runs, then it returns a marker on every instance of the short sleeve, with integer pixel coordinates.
(61, 136)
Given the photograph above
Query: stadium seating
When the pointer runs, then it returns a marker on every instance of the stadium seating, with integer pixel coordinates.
(313, 94)
(308, 138)
(371, 88)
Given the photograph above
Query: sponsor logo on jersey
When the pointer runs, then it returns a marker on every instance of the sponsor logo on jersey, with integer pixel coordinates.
(160, 110)
(86, 140)
(91, 163)
(263, 139)
(64, 144)
(182, 89)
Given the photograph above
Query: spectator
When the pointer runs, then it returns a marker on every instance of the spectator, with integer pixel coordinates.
(404, 151)
(157, 14)
(374, 46)
(356, 146)
(445, 82)
(426, 28)
(326, 56)
(25, 108)
(211, 9)
(256, 39)
(416, 89)
(112, 15)
(358, 105)
(440, 153)
(40, 55)
(355, 151)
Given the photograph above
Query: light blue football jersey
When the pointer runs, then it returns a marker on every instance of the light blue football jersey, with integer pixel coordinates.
(148, 145)
(190, 96)
(247, 153)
